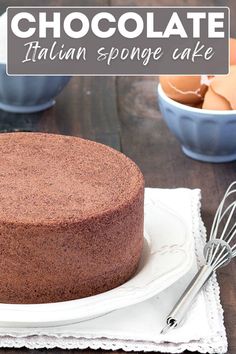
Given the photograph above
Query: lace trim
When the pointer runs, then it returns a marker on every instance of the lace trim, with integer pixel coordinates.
(211, 293)
(214, 307)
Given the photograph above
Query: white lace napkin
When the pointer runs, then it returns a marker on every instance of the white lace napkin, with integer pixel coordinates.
(137, 328)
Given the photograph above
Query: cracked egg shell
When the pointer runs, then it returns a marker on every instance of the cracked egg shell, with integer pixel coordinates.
(198, 105)
(184, 89)
(232, 51)
(225, 86)
(215, 102)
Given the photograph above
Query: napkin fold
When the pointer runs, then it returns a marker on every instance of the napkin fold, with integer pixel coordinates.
(137, 327)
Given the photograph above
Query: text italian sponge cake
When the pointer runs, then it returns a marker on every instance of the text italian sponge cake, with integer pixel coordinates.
(71, 218)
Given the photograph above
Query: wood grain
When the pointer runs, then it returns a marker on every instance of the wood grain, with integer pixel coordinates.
(146, 139)
(122, 112)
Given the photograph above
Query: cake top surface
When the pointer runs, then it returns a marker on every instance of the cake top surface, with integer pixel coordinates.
(53, 178)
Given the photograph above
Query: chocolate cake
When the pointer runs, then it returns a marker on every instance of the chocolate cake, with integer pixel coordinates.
(71, 218)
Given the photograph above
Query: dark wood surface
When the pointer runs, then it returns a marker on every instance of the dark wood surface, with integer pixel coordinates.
(122, 112)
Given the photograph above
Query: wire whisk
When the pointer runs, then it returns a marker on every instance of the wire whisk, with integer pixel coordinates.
(218, 252)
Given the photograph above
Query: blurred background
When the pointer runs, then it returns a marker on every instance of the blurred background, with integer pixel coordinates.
(122, 112)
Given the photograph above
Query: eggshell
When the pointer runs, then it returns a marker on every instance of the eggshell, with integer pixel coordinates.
(232, 51)
(225, 86)
(214, 101)
(199, 105)
(184, 89)
(206, 79)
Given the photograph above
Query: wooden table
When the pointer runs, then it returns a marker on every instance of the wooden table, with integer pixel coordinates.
(122, 112)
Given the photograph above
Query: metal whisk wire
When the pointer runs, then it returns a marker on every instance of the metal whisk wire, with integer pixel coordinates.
(222, 253)
(218, 252)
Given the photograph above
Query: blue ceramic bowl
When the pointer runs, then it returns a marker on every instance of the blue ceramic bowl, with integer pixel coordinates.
(27, 94)
(205, 135)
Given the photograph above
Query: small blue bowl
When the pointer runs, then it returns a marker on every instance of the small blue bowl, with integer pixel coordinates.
(205, 135)
(28, 94)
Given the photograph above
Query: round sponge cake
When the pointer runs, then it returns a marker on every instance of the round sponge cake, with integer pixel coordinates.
(71, 218)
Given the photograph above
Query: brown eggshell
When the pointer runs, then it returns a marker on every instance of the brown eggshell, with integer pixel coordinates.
(184, 89)
(232, 51)
(226, 86)
(214, 101)
(199, 105)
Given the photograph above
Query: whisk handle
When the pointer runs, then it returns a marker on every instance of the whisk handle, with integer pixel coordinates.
(181, 308)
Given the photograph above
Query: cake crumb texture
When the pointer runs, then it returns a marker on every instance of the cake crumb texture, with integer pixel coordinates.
(71, 218)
